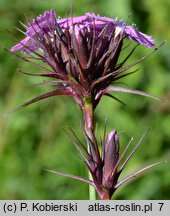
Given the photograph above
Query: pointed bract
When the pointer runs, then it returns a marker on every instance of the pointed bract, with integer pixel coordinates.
(81, 51)
(82, 54)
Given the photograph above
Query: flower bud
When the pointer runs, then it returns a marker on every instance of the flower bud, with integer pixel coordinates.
(110, 158)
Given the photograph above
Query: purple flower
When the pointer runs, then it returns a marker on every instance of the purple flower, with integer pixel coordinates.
(47, 22)
(82, 53)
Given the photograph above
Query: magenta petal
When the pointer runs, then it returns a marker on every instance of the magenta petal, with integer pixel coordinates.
(141, 38)
(88, 18)
(27, 45)
(46, 24)
(93, 16)
(43, 23)
(20, 45)
(65, 22)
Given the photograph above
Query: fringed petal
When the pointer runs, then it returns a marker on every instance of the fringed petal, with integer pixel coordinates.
(139, 37)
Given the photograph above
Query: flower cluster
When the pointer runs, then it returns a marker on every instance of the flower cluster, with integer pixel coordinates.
(82, 54)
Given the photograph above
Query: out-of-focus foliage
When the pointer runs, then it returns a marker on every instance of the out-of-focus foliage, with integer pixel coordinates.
(32, 139)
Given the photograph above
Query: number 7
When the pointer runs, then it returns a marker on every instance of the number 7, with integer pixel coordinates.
(161, 205)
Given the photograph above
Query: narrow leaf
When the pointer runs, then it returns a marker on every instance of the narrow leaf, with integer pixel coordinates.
(51, 75)
(124, 75)
(124, 61)
(137, 173)
(71, 176)
(133, 151)
(44, 96)
(51, 83)
(80, 143)
(120, 158)
(115, 98)
(78, 146)
(122, 89)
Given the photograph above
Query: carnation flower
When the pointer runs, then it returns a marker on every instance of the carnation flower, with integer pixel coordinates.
(82, 53)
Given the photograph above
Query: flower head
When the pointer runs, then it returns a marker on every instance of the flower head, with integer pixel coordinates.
(47, 23)
(82, 53)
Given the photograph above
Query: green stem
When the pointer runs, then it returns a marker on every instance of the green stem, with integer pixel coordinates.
(89, 128)
(92, 191)
(89, 121)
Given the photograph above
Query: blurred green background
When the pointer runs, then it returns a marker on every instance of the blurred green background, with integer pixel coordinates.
(33, 139)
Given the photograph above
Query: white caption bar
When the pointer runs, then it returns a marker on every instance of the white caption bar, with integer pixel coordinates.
(85, 207)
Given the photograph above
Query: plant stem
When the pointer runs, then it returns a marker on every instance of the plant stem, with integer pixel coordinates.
(92, 191)
(89, 129)
(105, 195)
